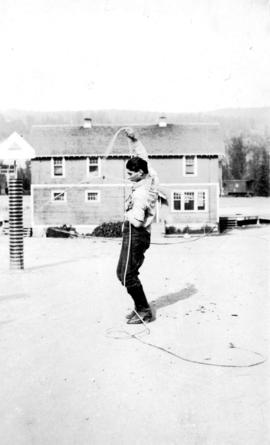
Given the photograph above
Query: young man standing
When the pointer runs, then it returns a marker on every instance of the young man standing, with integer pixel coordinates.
(139, 214)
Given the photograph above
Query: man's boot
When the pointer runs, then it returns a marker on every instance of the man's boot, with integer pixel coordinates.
(130, 315)
(141, 306)
(142, 316)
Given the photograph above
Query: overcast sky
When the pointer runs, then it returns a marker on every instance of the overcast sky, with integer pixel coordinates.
(164, 55)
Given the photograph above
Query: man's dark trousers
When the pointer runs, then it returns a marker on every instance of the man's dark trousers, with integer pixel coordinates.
(134, 244)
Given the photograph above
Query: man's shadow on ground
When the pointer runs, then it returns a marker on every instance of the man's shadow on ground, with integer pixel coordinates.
(172, 298)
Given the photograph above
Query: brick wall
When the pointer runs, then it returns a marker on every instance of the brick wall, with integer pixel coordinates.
(210, 215)
(76, 211)
(113, 171)
(171, 170)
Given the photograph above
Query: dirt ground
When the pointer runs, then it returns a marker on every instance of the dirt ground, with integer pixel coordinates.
(254, 206)
(67, 379)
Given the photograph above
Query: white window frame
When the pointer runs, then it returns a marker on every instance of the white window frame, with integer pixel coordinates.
(195, 191)
(195, 173)
(91, 175)
(183, 201)
(89, 201)
(60, 192)
(172, 200)
(5, 169)
(205, 200)
(63, 167)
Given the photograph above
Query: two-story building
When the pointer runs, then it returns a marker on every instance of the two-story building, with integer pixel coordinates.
(74, 183)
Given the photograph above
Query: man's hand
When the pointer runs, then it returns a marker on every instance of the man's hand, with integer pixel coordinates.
(130, 134)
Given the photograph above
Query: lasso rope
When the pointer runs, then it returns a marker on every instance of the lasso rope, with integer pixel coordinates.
(120, 334)
(112, 142)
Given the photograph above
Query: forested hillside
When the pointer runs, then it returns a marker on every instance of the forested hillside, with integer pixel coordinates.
(233, 121)
(246, 135)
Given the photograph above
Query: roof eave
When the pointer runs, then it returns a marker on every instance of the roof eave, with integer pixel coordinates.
(125, 155)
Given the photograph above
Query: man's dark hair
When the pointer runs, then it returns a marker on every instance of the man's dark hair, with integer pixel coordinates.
(136, 163)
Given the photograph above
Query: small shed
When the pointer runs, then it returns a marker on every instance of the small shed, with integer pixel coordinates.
(238, 187)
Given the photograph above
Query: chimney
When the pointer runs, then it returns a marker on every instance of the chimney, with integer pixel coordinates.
(162, 121)
(87, 123)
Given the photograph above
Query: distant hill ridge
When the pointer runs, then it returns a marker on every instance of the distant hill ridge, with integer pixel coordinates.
(233, 121)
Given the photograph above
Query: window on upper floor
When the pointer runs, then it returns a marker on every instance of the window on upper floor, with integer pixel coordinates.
(189, 201)
(93, 166)
(92, 196)
(190, 165)
(58, 196)
(58, 167)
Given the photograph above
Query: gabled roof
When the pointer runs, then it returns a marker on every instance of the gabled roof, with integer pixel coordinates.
(16, 148)
(51, 140)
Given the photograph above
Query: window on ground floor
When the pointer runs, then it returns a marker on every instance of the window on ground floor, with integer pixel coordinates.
(189, 201)
(177, 201)
(92, 196)
(201, 200)
(58, 196)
